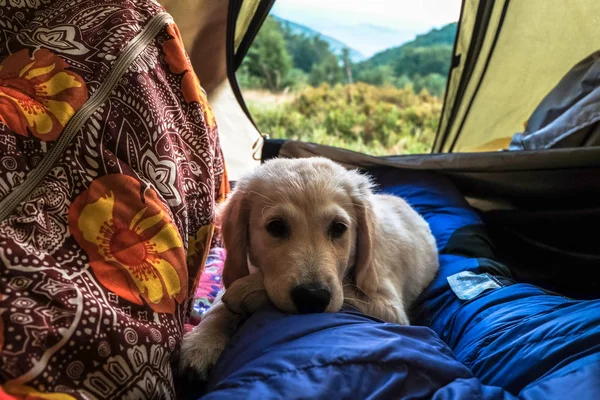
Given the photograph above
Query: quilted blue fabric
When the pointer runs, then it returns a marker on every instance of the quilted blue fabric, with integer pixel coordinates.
(511, 340)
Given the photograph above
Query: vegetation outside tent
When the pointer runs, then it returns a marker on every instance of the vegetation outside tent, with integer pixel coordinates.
(301, 85)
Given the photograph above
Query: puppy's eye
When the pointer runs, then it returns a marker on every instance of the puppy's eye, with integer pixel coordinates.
(278, 228)
(337, 230)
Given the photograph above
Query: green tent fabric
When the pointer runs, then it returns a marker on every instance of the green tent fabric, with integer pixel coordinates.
(508, 55)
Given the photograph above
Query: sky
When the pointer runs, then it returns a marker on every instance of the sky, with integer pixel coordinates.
(397, 21)
(423, 13)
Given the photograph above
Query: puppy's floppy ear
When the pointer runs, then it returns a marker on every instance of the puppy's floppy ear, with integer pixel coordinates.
(365, 272)
(233, 219)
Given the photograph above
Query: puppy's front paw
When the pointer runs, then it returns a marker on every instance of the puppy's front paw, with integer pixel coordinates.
(200, 350)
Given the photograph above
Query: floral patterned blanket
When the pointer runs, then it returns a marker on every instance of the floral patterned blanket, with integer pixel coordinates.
(209, 287)
(110, 168)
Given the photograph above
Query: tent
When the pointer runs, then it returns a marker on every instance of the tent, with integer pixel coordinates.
(110, 173)
(508, 56)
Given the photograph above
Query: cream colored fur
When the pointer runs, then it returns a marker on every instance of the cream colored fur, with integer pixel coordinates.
(380, 264)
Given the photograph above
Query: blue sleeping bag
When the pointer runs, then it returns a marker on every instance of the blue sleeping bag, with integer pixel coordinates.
(476, 333)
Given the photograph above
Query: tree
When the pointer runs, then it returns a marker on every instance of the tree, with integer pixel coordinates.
(382, 75)
(424, 61)
(347, 63)
(268, 57)
(435, 84)
(328, 70)
(306, 51)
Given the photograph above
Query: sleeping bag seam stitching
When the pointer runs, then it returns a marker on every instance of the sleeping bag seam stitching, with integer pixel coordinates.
(518, 346)
(266, 377)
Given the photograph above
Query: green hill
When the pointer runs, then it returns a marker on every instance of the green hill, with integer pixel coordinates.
(423, 62)
(439, 38)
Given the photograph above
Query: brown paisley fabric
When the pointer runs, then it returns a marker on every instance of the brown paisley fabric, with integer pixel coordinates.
(98, 264)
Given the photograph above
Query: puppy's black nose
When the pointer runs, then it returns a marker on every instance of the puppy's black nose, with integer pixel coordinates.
(311, 298)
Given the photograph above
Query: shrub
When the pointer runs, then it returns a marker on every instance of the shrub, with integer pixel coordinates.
(359, 117)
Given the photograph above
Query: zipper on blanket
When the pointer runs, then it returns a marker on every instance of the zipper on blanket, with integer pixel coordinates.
(131, 51)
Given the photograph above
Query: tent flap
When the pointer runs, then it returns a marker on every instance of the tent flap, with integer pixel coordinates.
(522, 179)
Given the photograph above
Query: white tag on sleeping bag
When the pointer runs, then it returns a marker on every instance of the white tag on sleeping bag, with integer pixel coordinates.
(467, 285)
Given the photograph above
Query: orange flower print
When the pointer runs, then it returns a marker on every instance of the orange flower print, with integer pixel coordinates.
(135, 249)
(38, 96)
(21, 392)
(176, 57)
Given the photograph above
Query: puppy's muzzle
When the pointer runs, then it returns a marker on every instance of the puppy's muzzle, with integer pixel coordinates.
(311, 298)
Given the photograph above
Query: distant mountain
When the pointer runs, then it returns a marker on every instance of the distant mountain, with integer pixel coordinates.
(442, 38)
(335, 45)
(366, 32)
(444, 35)
(365, 37)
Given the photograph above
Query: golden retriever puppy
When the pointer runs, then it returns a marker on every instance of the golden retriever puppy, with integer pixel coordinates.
(309, 235)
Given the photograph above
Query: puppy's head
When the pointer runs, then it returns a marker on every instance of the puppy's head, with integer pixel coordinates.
(306, 224)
